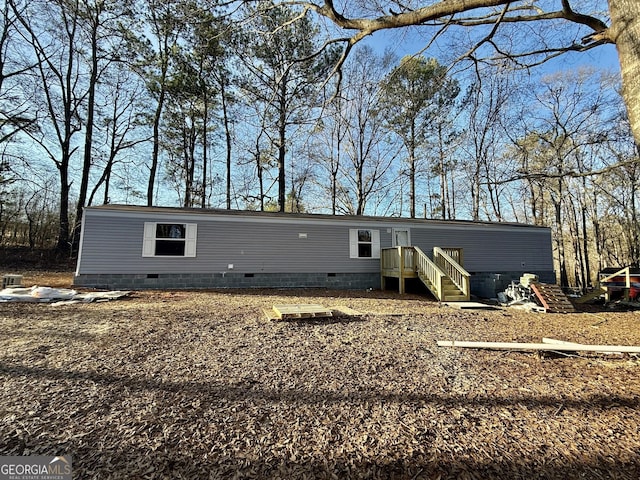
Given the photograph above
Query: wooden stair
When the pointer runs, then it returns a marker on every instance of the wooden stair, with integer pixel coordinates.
(451, 293)
(552, 297)
(444, 276)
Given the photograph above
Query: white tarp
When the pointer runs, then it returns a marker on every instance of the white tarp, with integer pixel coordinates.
(60, 296)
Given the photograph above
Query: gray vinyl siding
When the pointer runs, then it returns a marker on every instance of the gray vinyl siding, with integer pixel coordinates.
(490, 249)
(254, 243)
(114, 245)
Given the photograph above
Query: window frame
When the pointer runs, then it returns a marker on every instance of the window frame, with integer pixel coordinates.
(150, 239)
(355, 242)
(394, 233)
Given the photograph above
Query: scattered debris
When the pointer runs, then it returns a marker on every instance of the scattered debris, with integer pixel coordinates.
(56, 296)
(552, 297)
(11, 280)
(520, 295)
(532, 295)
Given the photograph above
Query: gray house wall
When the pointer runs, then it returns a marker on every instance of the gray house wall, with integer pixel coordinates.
(284, 250)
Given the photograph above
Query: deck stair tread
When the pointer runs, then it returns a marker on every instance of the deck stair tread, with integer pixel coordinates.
(553, 299)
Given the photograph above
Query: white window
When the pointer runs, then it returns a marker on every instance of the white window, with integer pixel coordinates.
(169, 239)
(364, 243)
(401, 237)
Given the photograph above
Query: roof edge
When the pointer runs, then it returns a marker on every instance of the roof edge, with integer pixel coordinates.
(309, 216)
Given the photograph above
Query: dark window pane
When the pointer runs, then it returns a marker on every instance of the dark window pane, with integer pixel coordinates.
(364, 250)
(364, 235)
(170, 248)
(170, 230)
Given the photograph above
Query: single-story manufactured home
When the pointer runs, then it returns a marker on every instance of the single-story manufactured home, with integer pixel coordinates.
(135, 247)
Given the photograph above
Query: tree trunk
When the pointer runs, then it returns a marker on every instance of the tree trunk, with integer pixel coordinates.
(156, 147)
(205, 147)
(282, 147)
(227, 135)
(412, 171)
(88, 138)
(585, 235)
(63, 229)
(625, 31)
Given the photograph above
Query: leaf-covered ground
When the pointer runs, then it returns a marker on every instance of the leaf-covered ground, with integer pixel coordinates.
(202, 385)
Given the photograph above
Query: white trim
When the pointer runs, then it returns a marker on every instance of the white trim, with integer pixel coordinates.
(80, 245)
(191, 240)
(393, 237)
(375, 244)
(353, 243)
(149, 240)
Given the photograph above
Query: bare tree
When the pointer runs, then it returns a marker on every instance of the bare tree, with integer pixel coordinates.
(53, 32)
(153, 54)
(486, 105)
(120, 120)
(327, 149)
(285, 72)
(413, 98)
(15, 111)
(367, 155)
(581, 30)
(569, 118)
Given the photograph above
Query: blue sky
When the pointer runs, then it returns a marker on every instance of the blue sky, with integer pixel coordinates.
(407, 42)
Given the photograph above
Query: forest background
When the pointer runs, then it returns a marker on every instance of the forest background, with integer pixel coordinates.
(255, 105)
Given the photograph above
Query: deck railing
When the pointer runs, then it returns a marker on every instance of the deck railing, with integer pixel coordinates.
(626, 271)
(604, 283)
(456, 254)
(458, 275)
(408, 262)
(430, 271)
(397, 259)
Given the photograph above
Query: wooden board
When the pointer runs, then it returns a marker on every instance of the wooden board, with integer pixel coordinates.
(270, 314)
(558, 347)
(553, 341)
(342, 310)
(471, 306)
(287, 312)
(552, 297)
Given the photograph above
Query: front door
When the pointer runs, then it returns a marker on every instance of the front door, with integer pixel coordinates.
(401, 237)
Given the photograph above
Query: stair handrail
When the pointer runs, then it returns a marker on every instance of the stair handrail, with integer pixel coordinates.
(624, 270)
(426, 267)
(458, 275)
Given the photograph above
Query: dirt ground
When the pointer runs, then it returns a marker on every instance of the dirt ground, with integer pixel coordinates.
(200, 385)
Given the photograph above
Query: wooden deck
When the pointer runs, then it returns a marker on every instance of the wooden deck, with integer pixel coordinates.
(397, 262)
(443, 275)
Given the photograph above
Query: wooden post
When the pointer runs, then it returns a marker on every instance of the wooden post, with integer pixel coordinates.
(401, 279)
